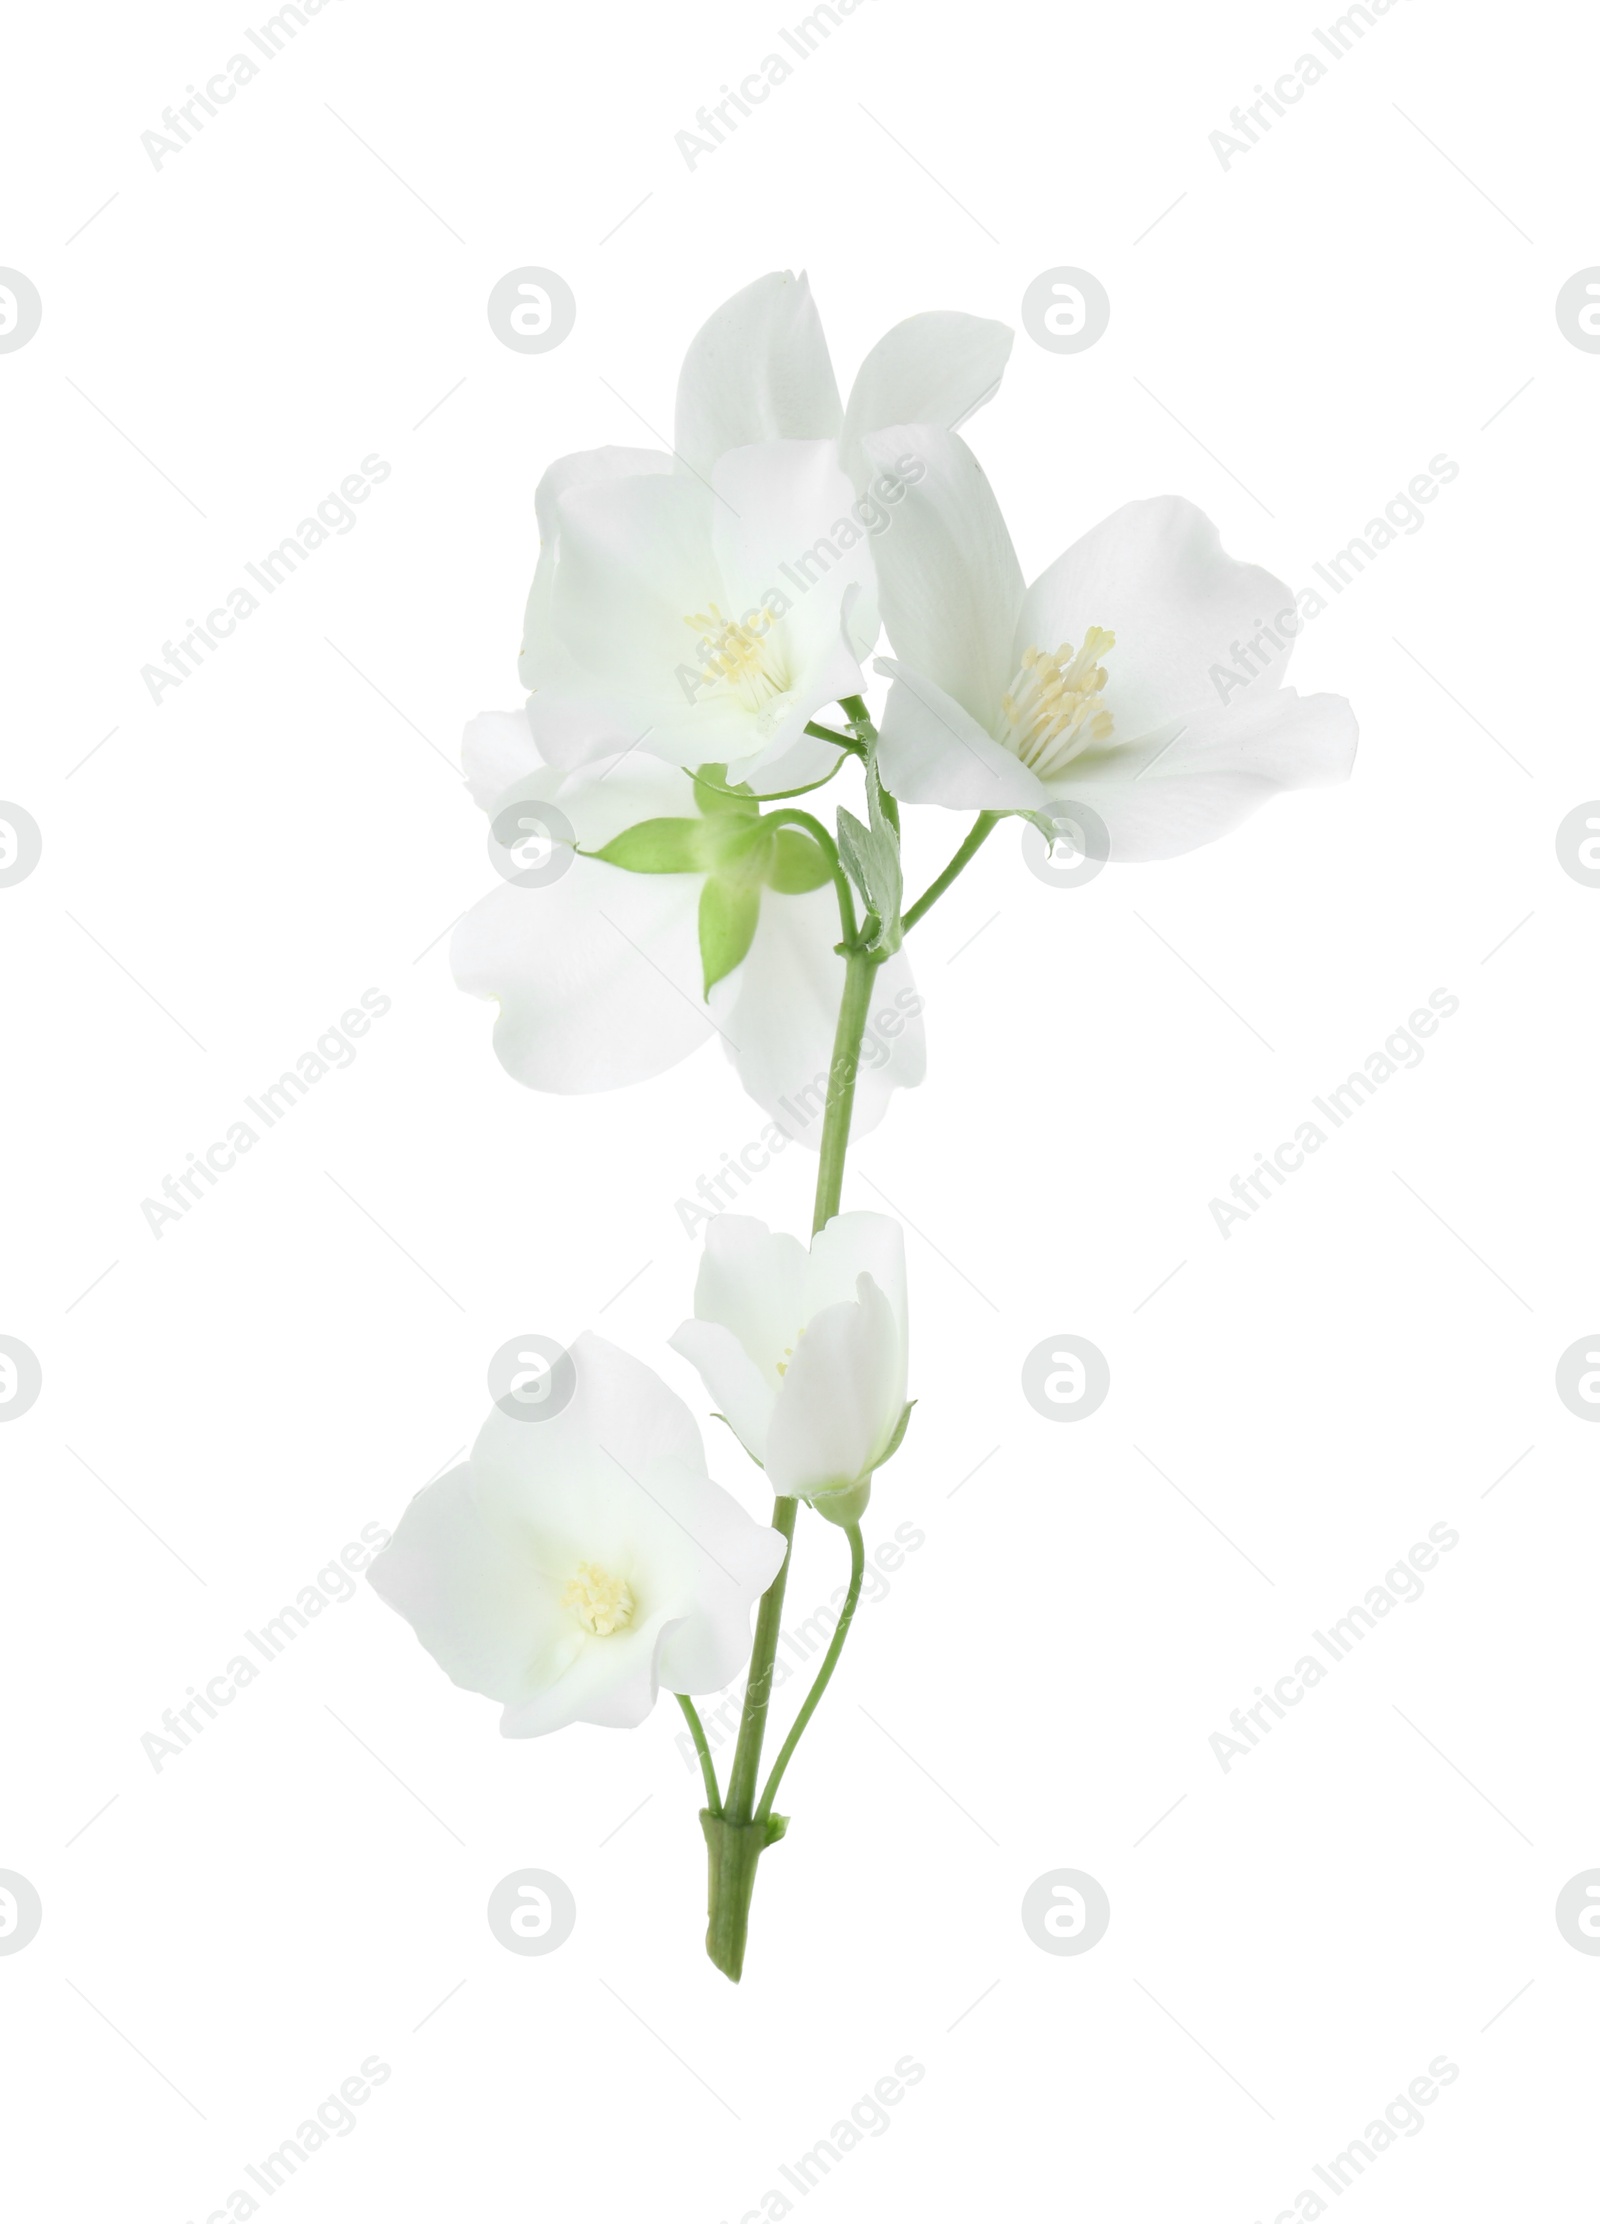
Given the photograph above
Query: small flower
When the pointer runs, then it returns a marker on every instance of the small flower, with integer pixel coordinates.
(600, 975)
(577, 1564)
(1094, 683)
(805, 1352)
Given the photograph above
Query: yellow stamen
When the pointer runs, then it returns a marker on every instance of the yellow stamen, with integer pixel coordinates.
(1050, 709)
(603, 1603)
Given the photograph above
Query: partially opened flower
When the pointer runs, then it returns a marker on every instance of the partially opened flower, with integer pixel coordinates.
(606, 976)
(806, 1352)
(577, 1564)
(1092, 684)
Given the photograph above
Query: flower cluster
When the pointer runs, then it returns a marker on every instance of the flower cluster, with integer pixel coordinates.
(696, 647)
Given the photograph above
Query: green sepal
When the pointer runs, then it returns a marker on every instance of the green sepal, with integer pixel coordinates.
(844, 1508)
(898, 1437)
(729, 910)
(714, 797)
(657, 846)
(798, 863)
(736, 848)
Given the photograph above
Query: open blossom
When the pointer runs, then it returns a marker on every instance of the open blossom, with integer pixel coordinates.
(1092, 684)
(706, 604)
(599, 975)
(577, 1564)
(805, 1352)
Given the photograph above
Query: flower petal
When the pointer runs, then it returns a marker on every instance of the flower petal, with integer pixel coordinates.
(839, 1403)
(757, 369)
(1157, 575)
(1162, 801)
(779, 1012)
(934, 369)
(931, 750)
(597, 975)
(744, 1396)
(497, 749)
(752, 1282)
(949, 581)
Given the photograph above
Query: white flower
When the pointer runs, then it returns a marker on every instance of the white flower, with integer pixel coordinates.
(598, 974)
(676, 557)
(805, 1352)
(708, 619)
(1095, 682)
(577, 1564)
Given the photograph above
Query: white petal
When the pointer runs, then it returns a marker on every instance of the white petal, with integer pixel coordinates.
(949, 581)
(598, 975)
(744, 1396)
(779, 1012)
(1157, 575)
(636, 563)
(934, 369)
(757, 369)
(542, 661)
(498, 748)
(476, 1594)
(752, 1281)
(853, 1244)
(931, 750)
(1225, 765)
(840, 1400)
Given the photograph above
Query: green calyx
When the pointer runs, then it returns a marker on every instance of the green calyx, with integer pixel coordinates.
(739, 851)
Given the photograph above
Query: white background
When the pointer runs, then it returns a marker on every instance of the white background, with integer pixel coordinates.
(1294, 1941)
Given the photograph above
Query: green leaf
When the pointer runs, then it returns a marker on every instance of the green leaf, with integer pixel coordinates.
(657, 846)
(871, 856)
(728, 914)
(798, 863)
(714, 797)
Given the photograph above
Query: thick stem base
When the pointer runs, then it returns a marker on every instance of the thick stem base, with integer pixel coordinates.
(733, 1849)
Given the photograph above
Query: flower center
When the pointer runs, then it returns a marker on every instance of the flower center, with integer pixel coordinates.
(782, 1364)
(737, 654)
(1049, 711)
(602, 1603)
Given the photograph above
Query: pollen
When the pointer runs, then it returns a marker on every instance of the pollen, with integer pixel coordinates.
(1051, 710)
(736, 652)
(602, 1602)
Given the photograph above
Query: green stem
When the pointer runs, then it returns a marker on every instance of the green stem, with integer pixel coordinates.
(982, 827)
(740, 1803)
(736, 1836)
(698, 1733)
(840, 741)
(830, 1661)
(859, 968)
